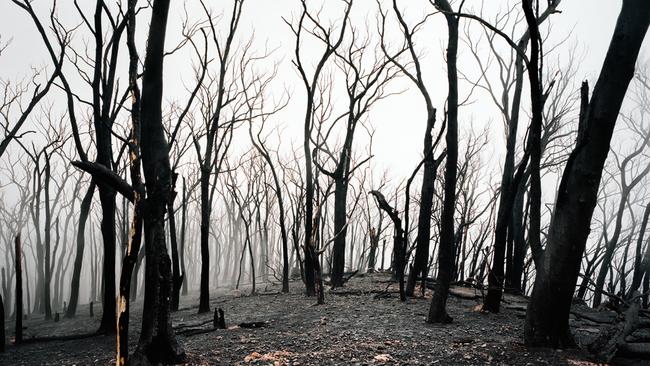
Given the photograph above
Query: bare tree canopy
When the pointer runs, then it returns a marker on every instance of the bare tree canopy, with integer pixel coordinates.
(324, 182)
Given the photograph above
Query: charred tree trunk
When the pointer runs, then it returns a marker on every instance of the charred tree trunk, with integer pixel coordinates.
(399, 243)
(519, 246)
(547, 317)
(204, 298)
(2, 325)
(207, 163)
(19, 291)
(421, 258)
(309, 252)
(374, 244)
(182, 249)
(259, 145)
(157, 343)
(513, 184)
(107, 200)
(438, 311)
(641, 261)
(5, 288)
(177, 277)
(48, 226)
(613, 242)
(135, 233)
(107, 195)
(81, 244)
(340, 229)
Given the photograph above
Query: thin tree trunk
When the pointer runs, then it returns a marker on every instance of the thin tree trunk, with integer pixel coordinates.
(78, 261)
(177, 278)
(438, 311)
(19, 291)
(182, 249)
(421, 258)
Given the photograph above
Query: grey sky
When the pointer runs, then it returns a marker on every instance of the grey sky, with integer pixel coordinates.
(398, 121)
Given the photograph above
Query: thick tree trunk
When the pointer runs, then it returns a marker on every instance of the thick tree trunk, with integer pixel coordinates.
(547, 317)
(157, 341)
(438, 311)
(340, 231)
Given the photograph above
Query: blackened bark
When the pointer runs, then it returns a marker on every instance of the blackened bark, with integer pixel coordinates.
(438, 311)
(340, 226)
(519, 246)
(2, 325)
(102, 87)
(134, 239)
(374, 244)
(81, 244)
(177, 277)
(5, 287)
(512, 185)
(533, 148)
(422, 240)
(547, 317)
(204, 297)
(399, 241)
(640, 259)
(157, 341)
(309, 252)
(19, 291)
(311, 266)
(259, 145)
(48, 226)
(35, 211)
(182, 249)
(208, 164)
(613, 241)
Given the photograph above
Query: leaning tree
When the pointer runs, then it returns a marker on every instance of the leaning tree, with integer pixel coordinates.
(547, 316)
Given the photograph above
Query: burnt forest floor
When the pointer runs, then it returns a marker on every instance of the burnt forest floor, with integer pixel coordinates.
(363, 323)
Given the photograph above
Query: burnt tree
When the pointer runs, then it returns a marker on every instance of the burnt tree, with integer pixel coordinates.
(547, 316)
(437, 311)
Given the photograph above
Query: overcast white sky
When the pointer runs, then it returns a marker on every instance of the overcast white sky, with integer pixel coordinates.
(399, 121)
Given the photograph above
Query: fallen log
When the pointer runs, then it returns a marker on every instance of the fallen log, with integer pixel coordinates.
(183, 326)
(463, 295)
(71, 337)
(634, 350)
(612, 340)
(595, 317)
